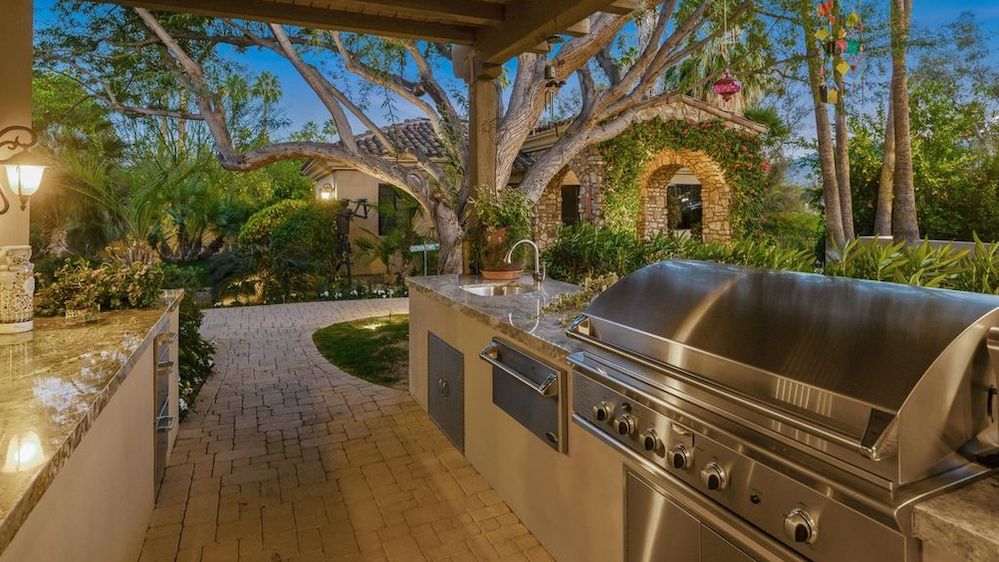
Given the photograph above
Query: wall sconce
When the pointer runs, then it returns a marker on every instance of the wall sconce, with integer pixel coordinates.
(327, 192)
(24, 175)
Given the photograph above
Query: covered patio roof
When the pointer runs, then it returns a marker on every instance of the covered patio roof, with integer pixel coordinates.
(497, 30)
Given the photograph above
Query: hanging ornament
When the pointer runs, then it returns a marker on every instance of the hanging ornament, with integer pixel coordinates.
(832, 96)
(852, 47)
(842, 67)
(726, 86)
(552, 86)
(822, 34)
(825, 9)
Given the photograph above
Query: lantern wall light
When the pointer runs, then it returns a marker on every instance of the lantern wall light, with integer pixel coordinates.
(24, 174)
(327, 192)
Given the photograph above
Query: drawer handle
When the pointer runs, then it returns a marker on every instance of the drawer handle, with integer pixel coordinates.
(490, 353)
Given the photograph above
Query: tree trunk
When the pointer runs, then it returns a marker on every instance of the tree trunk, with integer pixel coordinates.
(904, 223)
(842, 162)
(450, 235)
(823, 133)
(882, 216)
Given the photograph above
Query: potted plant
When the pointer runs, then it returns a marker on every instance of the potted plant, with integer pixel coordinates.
(502, 218)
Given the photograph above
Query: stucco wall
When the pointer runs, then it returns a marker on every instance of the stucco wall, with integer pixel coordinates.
(15, 103)
(351, 184)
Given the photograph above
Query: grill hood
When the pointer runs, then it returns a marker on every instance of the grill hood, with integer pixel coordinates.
(881, 369)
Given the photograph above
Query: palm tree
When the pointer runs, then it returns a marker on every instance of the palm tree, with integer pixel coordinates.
(904, 224)
(267, 88)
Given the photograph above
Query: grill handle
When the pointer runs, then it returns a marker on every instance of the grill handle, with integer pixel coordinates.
(547, 387)
(823, 432)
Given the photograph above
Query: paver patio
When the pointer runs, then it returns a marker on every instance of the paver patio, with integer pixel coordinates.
(289, 458)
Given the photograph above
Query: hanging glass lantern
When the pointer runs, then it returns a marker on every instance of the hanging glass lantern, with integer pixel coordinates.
(726, 86)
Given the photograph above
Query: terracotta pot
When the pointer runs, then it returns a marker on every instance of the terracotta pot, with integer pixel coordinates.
(508, 275)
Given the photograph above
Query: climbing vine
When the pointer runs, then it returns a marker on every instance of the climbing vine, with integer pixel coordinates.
(738, 153)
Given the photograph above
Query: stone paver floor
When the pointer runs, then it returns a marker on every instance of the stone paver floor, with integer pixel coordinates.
(288, 458)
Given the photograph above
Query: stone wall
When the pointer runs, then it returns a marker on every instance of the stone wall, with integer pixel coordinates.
(548, 213)
(589, 168)
(655, 208)
(715, 193)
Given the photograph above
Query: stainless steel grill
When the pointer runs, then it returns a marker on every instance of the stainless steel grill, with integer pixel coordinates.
(797, 402)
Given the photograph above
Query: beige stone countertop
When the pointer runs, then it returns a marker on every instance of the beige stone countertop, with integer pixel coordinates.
(515, 316)
(963, 523)
(54, 382)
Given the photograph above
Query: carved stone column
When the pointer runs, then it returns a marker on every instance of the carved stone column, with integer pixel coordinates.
(17, 289)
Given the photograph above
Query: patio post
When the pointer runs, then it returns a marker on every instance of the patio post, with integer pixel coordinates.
(482, 132)
(15, 102)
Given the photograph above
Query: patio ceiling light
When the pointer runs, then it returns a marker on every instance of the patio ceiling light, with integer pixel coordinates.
(23, 452)
(24, 174)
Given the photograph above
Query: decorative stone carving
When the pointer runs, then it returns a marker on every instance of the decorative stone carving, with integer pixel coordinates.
(17, 289)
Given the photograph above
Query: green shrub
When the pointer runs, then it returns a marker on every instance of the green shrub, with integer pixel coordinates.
(113, 286)
(584, 251)
(259, 227)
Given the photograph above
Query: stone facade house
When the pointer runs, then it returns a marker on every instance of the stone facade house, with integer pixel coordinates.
(692, 178)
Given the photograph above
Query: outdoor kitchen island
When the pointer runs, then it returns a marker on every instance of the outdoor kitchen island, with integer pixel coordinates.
(86, 422)
(569, 489)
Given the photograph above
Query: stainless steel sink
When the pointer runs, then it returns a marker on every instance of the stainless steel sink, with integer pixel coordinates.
(497, 289)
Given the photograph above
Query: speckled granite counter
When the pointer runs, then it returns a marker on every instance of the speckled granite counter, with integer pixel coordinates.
(54, 382)
(516, 316)
(963, 523)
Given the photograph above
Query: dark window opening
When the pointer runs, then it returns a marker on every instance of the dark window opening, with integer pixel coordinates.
(570, 204)
(391, 208)
(684, 201)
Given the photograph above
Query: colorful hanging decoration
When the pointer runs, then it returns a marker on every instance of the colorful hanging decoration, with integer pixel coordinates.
(726, 86)
(840, 36)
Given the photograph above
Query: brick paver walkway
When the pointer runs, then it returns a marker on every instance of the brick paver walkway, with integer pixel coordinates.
(288, 458)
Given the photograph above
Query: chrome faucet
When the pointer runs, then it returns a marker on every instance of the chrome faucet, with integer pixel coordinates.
(539, 268)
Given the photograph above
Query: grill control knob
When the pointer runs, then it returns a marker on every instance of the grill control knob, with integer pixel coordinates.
(679, 457)
(602, 411)
(651, 441)
(713, 477)
(799, 526)
(625, 424)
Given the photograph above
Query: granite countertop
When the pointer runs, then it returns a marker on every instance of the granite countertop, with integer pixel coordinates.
(515, 316)
(54, 382)
(964, 523)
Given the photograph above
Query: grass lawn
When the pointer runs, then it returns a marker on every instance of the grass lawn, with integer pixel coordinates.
(374, 349)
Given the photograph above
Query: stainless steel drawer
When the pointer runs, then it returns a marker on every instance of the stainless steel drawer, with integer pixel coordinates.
(527, 389)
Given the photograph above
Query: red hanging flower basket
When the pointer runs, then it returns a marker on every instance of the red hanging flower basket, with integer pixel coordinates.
(726, 86)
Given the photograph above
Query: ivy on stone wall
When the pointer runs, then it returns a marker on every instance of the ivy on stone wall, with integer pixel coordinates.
(738, 153)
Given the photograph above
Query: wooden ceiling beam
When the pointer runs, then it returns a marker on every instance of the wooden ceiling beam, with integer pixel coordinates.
(578, 30)
(311, 16)
(474, 12)
(530, 24)
(622, 7)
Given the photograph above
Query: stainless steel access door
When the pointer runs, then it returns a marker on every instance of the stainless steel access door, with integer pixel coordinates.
(446, 389)
(657, 529)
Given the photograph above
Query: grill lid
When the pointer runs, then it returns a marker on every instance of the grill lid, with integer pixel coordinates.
(865, 366)
(867, 340)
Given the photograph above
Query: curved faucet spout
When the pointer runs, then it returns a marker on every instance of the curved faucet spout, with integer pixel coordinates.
(539, 268)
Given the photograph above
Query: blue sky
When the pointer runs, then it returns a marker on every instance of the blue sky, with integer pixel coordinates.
(301, 105)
